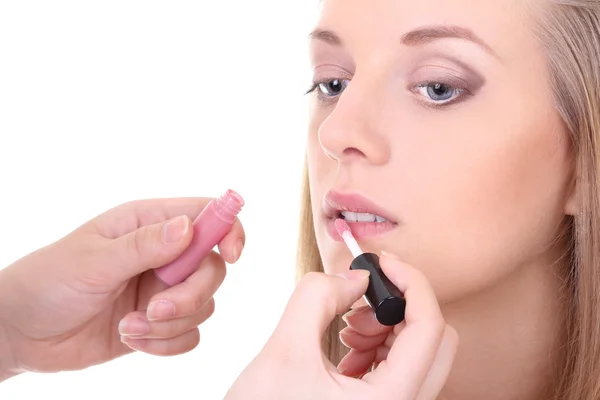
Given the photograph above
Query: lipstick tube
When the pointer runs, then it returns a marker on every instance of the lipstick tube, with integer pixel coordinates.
(209, 228)
(384, 298)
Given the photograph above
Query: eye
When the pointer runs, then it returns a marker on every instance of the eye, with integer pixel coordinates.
(439, 93)
(329, 88)
(333, 87)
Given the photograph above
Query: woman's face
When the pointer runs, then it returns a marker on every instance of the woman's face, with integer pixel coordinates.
(436, 116)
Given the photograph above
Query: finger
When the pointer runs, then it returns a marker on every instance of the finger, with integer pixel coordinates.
(438, 374)
(189, 296)
(165, 347)
(354, 340)
(136, 325)
(361, 357)
(363, 320)
(356, 363)
(315, 302)
(391, 337)
(233, 243)
(383, 350)
(146, 248)
(365, 343)
(130, 216)
(414, 350)
(381, 354)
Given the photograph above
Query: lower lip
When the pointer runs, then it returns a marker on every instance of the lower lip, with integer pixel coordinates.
(360, 229)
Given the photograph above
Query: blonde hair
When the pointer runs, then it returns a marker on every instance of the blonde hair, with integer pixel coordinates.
(569, 32)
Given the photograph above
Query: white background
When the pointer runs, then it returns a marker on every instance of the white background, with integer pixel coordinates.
(102, 102)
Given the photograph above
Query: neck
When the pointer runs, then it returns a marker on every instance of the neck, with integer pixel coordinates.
(509, 338)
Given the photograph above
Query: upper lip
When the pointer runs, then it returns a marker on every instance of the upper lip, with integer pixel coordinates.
(336, 202)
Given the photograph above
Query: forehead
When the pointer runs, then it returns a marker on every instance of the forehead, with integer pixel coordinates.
(501, 24)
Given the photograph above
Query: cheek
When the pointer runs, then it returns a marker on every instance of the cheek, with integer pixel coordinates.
(319, 164)
(322, 173)
(321, 170)
(486, 202)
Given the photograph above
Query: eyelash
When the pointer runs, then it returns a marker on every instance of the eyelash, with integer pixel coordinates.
(458, 92)
(322, 96)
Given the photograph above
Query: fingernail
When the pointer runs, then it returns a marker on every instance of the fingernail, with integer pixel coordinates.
(134, 344)
(348, 314)
(237, 249)
(348, 332)
(133, 327)
(174, 230)
(160, 309)
(354, 274)
(344, 343)
(342, 368)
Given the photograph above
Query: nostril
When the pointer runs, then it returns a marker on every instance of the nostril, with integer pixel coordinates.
(353, 151)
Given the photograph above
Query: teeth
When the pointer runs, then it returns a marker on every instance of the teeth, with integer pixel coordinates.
(362, 217)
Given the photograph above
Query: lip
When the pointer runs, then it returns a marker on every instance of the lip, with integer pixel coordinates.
(334, 202)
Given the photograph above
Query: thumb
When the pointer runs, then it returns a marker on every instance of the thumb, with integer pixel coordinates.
(315, 302)
(150, 246)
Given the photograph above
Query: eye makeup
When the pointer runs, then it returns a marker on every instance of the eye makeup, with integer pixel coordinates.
(329, 82)
(443, 73)
(436, 79)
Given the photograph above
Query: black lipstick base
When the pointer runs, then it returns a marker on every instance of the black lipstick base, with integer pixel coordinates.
(383, 297)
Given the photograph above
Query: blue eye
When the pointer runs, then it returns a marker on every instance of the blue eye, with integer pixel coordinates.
(439, 93)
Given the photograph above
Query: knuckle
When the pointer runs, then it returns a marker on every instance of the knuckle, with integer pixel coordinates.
(170, 329)
(134, 244)
(217, 266)
(215, 258)
(140, 243)
(128, 205)
(452, 335)
(319, 288)
(316, 282)
(437, 328)
(192, 339)
(210, 308)
(197, 303)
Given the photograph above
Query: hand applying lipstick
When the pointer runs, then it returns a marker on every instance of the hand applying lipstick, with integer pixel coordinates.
(385, 299)
(414, 362)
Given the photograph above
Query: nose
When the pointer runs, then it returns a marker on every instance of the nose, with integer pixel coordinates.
(354, 130)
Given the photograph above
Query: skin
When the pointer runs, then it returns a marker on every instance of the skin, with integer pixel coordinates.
(291, 365)
(478, 187)
(93, 296)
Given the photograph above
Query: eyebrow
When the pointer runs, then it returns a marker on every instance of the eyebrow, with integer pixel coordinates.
(416, 37)
(430, 33)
